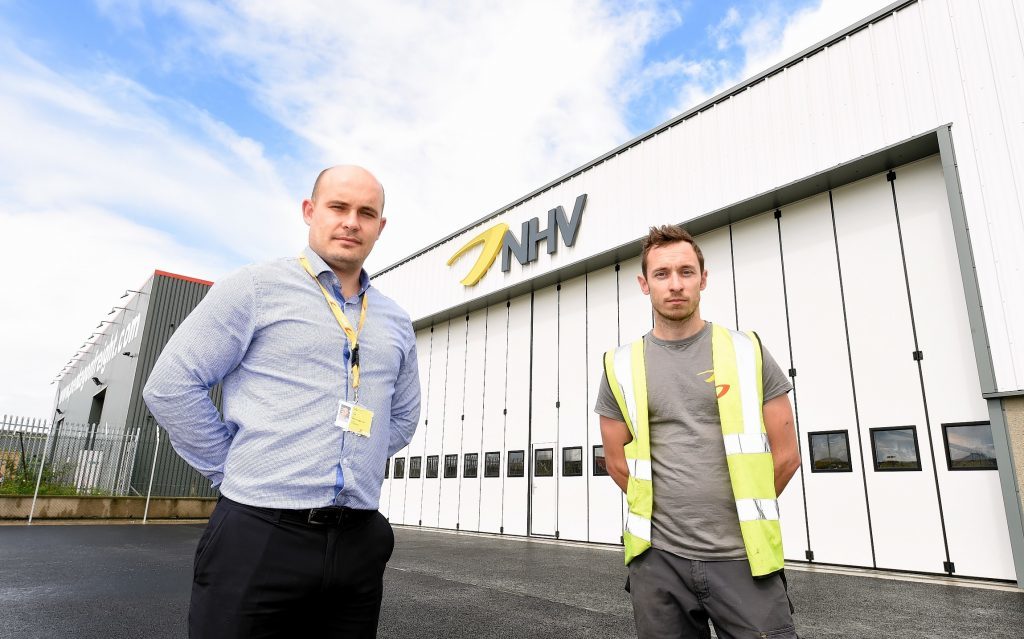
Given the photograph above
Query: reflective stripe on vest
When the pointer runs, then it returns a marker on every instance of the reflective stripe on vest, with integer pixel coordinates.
(737, 363)
(627, 378)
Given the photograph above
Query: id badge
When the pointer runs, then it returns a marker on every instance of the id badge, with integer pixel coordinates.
(354, 418)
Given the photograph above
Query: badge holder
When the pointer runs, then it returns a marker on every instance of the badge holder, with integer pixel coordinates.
(353, 418)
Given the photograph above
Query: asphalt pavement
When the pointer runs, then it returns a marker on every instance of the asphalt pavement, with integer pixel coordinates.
(120, 581)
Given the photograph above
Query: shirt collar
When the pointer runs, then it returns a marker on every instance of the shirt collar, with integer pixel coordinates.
(320, 267)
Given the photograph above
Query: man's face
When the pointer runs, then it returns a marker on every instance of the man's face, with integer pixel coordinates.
(674, 281)
(346, 218)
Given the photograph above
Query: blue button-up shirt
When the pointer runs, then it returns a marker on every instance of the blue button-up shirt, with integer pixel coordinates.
(268, 335)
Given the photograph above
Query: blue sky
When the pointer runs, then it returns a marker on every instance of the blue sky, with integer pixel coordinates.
(183, 135)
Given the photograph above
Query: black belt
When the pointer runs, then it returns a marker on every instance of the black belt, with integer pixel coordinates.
(328, 516)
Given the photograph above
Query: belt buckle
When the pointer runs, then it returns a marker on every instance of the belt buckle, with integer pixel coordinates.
(325, 516)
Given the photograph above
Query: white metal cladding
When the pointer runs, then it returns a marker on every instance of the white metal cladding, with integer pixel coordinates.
(433, 431)
(605, 498)
(518, 419)
(573, 408)
(472, 436)
(494, 424)
(975, 520)
(718, 300)
(885, 375)
(760, 305)
(545, 416)
(836, 264)
(932, 63)
(823, 395)
(454, 409)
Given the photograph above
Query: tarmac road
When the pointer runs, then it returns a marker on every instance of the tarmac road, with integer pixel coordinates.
(132, 580)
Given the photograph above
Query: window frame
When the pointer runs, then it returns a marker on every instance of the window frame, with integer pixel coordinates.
(522, 463)
(497, 464)
(454, 466)
(566, 449)
(387, 468)
(466, 473)
(433, 461)
(874, 450)
(603, 466)
(536, 453)
(399, 468)
(415, 467)
(810, 451)
(945, 445)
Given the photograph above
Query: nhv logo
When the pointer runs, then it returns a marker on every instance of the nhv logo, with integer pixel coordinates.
(499, 239)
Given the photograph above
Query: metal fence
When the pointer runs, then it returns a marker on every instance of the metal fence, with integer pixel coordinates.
(39, 457)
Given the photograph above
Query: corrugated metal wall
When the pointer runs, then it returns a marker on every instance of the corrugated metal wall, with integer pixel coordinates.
(171, 300)
(931, 63)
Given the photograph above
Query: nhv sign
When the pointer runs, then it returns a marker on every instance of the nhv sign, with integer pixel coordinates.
(499, 239)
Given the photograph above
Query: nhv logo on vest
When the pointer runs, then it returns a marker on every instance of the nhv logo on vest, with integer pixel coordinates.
(499, 239)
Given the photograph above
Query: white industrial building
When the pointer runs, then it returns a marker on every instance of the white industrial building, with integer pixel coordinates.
(859, 206)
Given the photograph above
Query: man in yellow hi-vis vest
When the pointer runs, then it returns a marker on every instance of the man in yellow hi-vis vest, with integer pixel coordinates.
(698, 432)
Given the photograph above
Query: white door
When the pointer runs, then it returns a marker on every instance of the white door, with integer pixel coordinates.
(544, 491)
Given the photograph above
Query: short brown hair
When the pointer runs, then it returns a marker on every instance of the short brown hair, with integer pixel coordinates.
(668, 234)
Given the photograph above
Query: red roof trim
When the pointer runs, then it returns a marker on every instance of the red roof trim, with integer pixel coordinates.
(183, 277)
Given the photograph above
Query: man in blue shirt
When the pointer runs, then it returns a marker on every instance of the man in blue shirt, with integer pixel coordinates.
(320, 388)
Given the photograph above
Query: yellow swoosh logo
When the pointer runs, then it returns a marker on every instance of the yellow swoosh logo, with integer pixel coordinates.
(491, 239)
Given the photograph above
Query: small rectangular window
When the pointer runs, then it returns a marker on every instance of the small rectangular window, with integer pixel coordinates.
(516, 463)
(414, 467)
(572, 462)
(492, 464)
(451, 466)
(969, 446)
(387, 466)
(600, 466)
(543, 465)
(895, 448)
(432, 466)
(830, 452)
(400, 468)
(469, 463)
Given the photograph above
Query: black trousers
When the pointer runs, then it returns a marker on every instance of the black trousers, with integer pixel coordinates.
(260, 574)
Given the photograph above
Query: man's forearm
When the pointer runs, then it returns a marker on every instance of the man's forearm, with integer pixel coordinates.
(785, 468)
(401, 434)
(405, 411)
(619, 474)
(192, 422)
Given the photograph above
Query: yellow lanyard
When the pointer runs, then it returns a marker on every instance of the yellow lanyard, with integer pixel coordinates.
(351, 333)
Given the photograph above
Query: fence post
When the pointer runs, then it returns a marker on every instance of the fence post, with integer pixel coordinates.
(39, 477)
(152, 472)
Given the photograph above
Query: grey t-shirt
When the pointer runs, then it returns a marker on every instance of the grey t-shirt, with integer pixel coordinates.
(694, 510)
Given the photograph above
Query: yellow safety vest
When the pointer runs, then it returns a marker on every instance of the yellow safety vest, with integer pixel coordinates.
(736, 359)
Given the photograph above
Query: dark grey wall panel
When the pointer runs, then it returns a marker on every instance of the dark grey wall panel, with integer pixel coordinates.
(172, 298)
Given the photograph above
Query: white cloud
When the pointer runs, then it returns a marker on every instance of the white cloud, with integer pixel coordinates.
(721, 33)
(90, 174)
(63, 269)
(100, 141)
(765, 38)
(126, 14)
(774, 38)
(459, 109)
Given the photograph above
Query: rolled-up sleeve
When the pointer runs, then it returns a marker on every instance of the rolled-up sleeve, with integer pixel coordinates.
(405, 405)
(205, 348)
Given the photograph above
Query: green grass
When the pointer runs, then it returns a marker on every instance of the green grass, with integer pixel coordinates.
(52, 483)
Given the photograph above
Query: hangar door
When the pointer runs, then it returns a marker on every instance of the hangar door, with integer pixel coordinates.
(857, 294)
